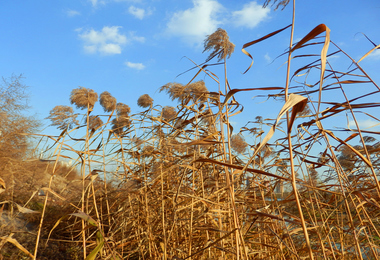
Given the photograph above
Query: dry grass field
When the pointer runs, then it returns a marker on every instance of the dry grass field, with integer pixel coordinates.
(180, 183)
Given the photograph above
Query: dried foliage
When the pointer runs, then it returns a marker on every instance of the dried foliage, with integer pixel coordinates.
(83, 98)
(170, 187)
(145, 101)
(107, 101)
(63, 117)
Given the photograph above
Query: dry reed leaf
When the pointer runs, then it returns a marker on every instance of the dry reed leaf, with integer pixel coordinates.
(100, 243)
(3, 186)
(295, 231)
(16, 243)
(85, 217)
(349, 146)
(311, 35)
(294, 101)
(241, 168)
(53, 192)
(259, 40)
(368, 53)
(201, 142)
(26, 210)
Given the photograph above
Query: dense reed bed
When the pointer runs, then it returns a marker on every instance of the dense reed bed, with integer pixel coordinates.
(181, 183)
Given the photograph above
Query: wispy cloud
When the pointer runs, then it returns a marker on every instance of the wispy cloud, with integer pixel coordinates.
(95, 3)
(250, 16)
(134, 37)
(364, 124)
(334, 57)
(139, 13)
(375, 55)
(108, 41)
(72, 13)
(267, 57)
(137, 66)
(195, 23)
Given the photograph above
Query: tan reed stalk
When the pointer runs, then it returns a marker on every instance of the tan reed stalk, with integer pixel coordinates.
(290, 147)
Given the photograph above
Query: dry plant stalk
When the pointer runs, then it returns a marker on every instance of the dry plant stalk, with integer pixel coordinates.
(167, 186)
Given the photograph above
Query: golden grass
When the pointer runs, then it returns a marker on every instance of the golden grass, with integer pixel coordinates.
(174, 183)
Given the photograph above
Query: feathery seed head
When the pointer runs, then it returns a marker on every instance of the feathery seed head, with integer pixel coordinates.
(220, 45)
(83, 97)
(95, 122)
(197, 91)
(175, 90)
(119, 123)
(107, 101)
(145, 101)
(238, 143)
(169, 113)
(122, 109)
(63, 117)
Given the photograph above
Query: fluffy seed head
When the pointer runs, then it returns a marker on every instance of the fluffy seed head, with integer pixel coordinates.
(83, 97)
(95, 122)
(123, 109)
(168, 113)
(238, 143)
(145, 101)
(119, 123)
(63, 117)
(220, 45)
(107, 101)
(197, 91)
(175, 90)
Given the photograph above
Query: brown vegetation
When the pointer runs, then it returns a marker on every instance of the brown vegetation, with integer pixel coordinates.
(175, 183)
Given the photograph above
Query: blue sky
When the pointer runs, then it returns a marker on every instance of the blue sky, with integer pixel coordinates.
(133, 47)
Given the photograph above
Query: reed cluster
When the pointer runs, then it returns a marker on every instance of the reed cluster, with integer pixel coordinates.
(180, 183)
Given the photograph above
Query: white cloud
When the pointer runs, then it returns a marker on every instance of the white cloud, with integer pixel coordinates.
(334, 57)
(250, 16)
(137, 66)
(132, 36)
(139, 12)
(96, 2)
(195, 23)
(364, 124)
(71, 13)
(267, 57)
(375, 55)
(107, 41)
